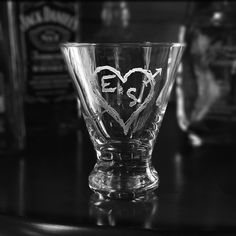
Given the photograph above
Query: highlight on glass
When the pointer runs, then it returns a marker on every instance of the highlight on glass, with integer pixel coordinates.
(124, 90)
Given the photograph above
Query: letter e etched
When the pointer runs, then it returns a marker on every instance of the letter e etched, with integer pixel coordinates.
(104, 85)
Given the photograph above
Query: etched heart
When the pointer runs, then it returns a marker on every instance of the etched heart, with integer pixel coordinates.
(149, 79)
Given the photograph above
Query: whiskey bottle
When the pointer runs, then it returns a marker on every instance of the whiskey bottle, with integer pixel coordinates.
(206, 98)
(49, 102)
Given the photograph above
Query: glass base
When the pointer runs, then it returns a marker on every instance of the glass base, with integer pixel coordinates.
(123, 180)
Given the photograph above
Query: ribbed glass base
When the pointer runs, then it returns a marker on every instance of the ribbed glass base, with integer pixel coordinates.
(124, 179)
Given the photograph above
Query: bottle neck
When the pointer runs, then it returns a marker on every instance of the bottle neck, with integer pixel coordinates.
(214, 14)
(115, 14)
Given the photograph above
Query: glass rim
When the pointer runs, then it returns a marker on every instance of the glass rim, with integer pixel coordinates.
(128, 44)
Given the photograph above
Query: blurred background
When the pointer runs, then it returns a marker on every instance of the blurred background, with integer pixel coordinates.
(40, 116)
(37, 96)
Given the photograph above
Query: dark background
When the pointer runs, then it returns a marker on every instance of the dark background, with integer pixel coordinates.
(149, 21)
(44, 189)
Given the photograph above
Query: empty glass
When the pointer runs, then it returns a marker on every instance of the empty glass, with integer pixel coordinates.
(124, 90)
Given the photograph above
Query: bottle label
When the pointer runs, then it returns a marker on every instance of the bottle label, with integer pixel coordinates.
(43, 27)
(50, 102)
(223, 68)
(215, 69)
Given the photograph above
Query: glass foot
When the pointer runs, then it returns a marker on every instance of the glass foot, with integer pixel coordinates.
(122, 180)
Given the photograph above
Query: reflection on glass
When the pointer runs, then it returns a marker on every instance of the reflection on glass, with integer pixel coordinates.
(112, 212)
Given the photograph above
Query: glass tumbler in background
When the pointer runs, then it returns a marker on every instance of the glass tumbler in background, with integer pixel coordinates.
(124, 90)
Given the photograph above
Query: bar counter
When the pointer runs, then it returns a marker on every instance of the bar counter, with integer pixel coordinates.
(44, 190)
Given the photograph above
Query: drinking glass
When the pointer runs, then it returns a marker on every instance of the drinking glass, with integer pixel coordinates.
(124, 90)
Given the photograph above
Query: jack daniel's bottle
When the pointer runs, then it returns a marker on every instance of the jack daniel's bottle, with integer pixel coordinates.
(206, 88)
(49, 103)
